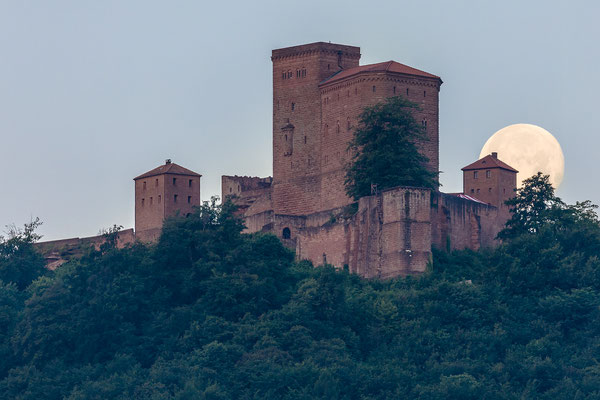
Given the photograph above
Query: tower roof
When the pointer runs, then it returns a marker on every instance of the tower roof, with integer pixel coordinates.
(388, 66)
(168, 168)
(488, 162)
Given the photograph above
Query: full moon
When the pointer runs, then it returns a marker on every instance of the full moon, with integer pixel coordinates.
(528, 149)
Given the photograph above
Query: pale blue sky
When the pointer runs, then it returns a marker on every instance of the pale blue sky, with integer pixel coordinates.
(94, 93)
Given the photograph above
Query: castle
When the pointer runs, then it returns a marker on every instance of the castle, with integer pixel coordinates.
(319, 91)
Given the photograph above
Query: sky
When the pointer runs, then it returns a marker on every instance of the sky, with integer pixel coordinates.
(94, 93)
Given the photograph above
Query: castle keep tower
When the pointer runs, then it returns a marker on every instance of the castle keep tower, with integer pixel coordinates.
(161, 193)
(297, 72)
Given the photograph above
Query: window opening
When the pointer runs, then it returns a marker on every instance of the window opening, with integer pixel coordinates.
(475, 173)
(159, 198)
(286, 233)
(488, 174)
(174, 181)
(144, 185)
(174, 198)
(143, 201)
(189, 199)
(374, 89)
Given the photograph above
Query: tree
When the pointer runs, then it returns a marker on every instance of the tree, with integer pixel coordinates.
(19, 262)
(385, 152)
(533, 206)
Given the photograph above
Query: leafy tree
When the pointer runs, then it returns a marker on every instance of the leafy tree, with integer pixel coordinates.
(19, 262)
(211, 313)
(385, 152)
(535, 209)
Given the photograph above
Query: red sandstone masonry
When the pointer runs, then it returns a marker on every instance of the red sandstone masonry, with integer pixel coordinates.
(297, 123)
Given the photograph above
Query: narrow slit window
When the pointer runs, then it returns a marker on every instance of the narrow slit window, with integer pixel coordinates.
(189, 199)
(151, 200)
(143, 201)
(407, 91)
(174, 181)
(190, 183)
(475, 174)
(174, 198)
(374, 89)
(156, 182)
(144, 185)
(159, 199)
(394, 89)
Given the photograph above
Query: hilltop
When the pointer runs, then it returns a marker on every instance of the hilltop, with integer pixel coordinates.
(210, 313)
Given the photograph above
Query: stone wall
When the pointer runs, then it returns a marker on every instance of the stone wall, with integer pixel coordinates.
(392, 233)
(245, 191)
(57, 252)
(459, 223)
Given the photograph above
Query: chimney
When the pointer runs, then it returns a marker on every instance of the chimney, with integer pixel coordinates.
(495, 155)
(167, 161)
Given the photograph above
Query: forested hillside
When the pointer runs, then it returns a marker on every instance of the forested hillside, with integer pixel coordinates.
(210, 313)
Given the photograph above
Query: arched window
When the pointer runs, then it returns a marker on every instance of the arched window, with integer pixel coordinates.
(286, 234)
(407, 91)
(394, 89)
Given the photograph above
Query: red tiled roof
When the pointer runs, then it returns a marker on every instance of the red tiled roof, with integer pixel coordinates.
(168, 168)
(388, 66)
(488, 162)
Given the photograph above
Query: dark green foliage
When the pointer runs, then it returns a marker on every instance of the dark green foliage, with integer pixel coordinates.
(384, 150)
(210, 313)
(19, 262)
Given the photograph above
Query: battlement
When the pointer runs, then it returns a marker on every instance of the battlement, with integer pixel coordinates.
(317, 47)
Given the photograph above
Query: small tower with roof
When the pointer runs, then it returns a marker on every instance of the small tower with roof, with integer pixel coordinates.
(163, 192)
(491, 181)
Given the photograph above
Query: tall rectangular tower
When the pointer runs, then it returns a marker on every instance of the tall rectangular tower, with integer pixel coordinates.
(297, 123)
(161, 193)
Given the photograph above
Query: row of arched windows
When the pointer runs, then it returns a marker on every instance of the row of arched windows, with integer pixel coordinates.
(374, 89)
(300, 73)
(337, 126)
